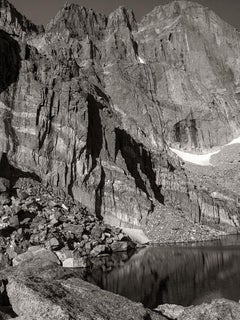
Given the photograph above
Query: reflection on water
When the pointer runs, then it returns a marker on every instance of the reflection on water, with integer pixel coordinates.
(185, 275)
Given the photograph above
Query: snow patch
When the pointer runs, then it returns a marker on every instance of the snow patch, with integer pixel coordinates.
(199, 159)
(236, 140)
(136, 235)
(141, 60)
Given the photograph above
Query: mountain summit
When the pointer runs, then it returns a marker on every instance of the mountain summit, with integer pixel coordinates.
(14, 22)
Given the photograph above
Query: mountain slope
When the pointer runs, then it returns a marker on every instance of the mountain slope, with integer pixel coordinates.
(93, 102)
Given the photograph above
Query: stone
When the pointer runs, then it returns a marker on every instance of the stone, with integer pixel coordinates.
(4, 198)
(221, 309)
(171, 311)
(85, 237)
(11, 252)
(37, 253)
(96, 232)
(4, 185)
(4, 260)
(119, 246)
(74, 229)
(65, 207)
(22, 195)
(54, 243)
(14, 222)
(75, 263)
(64, 254)
(98, 249)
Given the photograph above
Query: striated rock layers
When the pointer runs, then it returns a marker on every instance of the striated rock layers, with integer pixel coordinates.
(90, 104)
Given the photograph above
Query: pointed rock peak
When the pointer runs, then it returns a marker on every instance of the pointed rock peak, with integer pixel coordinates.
(122, 16)
(73, 6)
(14, 22)
(78, 22)
(66, 5)
(176, 9)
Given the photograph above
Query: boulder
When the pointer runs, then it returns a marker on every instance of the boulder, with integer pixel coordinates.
(4, 185)
(45, 290)
(35, 252)
(221, 309)
(98, 249)
(171, 311)
(75, 263)
(119, 246)
(64, 254)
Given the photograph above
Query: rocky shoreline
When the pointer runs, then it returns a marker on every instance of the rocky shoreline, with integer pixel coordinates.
(49, 238)
(33, 215)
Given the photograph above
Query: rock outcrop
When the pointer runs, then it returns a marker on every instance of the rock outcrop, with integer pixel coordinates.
(90, 104)
(217, 310)
(41, 289)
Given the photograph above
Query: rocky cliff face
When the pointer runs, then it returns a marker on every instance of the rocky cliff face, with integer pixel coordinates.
(90, 104)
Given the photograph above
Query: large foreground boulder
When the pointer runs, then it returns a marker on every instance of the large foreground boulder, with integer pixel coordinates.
(71, 299)
(220, 309)
(41, 289)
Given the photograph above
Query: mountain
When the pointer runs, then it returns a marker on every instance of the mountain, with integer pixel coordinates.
(92, 104)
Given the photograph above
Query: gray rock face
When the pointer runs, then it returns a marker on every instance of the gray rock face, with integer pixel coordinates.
(89, 104)
(14, 23)
(222, 309)
(216, 310)
(40, 289)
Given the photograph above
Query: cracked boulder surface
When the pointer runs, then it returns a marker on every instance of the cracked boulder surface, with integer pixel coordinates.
(90, 104)
(41, 289)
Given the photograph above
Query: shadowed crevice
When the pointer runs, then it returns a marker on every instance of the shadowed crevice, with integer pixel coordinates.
(95, 132)
(99, 194)
(5, 304)
(13, 174)
(139, 163)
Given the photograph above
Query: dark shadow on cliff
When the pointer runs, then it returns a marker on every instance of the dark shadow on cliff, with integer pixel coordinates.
(94, 134)
(13, 174)
(94, 146)
(10, 63)
(139, 163)
(10, 60)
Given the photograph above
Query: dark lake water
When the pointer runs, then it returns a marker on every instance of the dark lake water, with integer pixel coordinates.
(185, 275)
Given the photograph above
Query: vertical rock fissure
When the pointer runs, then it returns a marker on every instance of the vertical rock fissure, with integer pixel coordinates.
(99, 194)
(94, 133)
(139, 164)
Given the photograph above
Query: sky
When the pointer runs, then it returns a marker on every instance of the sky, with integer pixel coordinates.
(41, 11)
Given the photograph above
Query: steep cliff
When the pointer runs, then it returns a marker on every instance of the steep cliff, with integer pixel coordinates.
(91, 104)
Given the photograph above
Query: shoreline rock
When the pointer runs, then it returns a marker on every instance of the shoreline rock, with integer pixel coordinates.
(35, 217)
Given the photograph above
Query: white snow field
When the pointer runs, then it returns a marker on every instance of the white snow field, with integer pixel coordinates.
(201, 159)
(136, 235)
(237, 140)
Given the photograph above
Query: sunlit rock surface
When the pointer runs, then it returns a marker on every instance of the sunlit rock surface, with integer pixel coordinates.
(40, 289)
